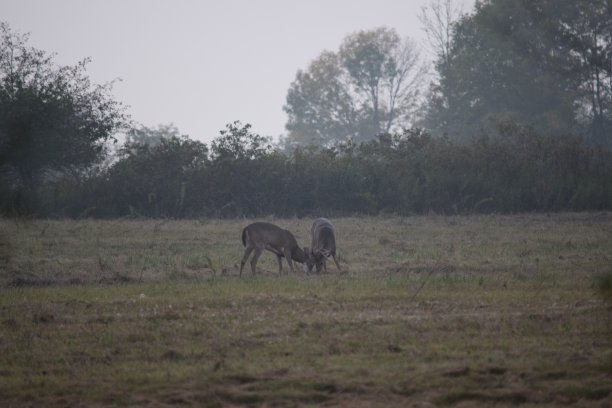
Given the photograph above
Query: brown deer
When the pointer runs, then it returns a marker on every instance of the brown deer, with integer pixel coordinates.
(323, 245)
(262, 235)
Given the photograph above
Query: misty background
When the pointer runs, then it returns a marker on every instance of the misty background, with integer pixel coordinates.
(203, 64)
(258, 109)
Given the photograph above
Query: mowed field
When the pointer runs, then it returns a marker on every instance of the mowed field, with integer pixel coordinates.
(427, 311)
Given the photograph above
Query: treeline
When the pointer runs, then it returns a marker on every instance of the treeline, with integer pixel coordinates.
(495, 147)
(408, 173)
(542, 63)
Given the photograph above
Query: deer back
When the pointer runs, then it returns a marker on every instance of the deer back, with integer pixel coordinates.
(273, 238)
(323, 237)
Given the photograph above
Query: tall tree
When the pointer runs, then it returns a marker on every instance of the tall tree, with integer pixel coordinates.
(538, 62)
(368, 87)
(238, 142)
(586, 29)
(438, 19)
(53, 120)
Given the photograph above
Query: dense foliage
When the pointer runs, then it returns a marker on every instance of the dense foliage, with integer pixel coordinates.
(54, 123)
(545, 63)
(404, 173)
(519, 119)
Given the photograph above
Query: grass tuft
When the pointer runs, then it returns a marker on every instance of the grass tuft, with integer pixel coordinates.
(604, 286)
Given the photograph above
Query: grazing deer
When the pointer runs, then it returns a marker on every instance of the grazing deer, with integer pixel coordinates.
(262, 235)
(323, 245)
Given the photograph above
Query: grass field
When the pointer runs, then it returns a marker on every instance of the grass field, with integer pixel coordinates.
(428, 311)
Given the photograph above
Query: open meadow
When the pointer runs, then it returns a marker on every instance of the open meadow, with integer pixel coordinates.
(428, 311)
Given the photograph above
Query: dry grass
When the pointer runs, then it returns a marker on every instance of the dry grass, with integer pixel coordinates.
(443, 311)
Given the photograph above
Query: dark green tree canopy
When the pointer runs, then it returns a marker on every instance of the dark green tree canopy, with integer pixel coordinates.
(53, 120)
(238, 142)
(368, 87)
(153, 179)
(539, 62)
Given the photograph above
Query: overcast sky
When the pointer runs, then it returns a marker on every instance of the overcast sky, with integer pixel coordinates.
(201, 64)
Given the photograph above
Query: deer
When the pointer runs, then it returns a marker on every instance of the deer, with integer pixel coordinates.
(323, 245)
(262, 235)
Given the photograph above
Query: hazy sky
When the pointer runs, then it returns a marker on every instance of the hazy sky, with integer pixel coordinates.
(201, 64)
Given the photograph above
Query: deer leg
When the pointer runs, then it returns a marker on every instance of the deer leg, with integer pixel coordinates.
(289, 261)
(255, 258)
(336, 261)
(280, 264)
(290, 264)
(247, 252)
(320, 261)
(323, 254)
